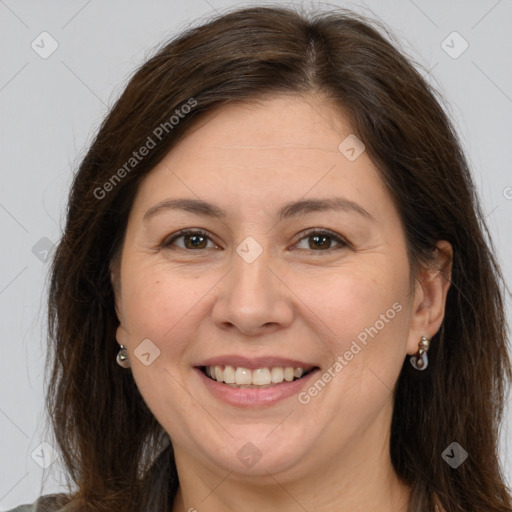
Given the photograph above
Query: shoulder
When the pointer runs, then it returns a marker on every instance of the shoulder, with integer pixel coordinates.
(50, 503)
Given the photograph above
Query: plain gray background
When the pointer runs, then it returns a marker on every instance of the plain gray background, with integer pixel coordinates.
(51, 107)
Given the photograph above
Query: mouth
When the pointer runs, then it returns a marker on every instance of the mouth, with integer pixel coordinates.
(258, 378)
(254, 381)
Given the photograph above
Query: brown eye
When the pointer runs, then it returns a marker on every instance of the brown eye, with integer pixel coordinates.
(192, 239)
(321, 240)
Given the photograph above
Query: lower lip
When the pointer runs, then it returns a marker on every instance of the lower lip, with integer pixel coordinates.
(247, 397)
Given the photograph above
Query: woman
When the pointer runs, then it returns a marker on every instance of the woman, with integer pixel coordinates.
(275, 290)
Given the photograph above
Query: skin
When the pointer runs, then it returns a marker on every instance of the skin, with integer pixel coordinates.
(309, 303)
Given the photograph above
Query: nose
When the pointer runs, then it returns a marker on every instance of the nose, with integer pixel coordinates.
(253, 298)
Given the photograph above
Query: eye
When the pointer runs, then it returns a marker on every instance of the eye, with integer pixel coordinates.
(320, 240)
(196, 239)
(193, 239)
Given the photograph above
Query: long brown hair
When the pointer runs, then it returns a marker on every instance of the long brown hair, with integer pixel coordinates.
(117, 455)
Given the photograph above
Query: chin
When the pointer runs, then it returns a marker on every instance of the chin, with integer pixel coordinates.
(257, 450)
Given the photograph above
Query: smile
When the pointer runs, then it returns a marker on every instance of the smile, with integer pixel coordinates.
(240, 377)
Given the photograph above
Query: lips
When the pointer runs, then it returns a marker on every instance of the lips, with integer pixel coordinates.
(251, 381)
(255, 395)
(253, 363)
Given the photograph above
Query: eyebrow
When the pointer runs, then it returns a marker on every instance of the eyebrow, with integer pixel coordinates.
(289, 210)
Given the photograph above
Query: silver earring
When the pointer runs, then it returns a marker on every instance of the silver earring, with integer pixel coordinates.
(420, 360)
(122, 357)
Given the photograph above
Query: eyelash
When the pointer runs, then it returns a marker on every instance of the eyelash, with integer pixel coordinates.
(306, 234)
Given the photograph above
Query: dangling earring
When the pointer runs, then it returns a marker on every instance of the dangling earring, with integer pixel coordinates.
(122, 357)
(420, 360)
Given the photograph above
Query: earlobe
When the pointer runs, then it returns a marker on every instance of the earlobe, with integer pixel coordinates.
(430, 297)
(122, 335)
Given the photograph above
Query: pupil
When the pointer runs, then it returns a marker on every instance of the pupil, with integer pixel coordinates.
(319, 241)
(195, 237)
(316, 238)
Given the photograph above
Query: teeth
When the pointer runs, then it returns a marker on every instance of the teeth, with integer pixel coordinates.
(289, 374)
(229, 375)
(242, 376)
(260, 377)
(277, 375)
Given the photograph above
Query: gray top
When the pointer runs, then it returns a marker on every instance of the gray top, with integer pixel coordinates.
(49, 503)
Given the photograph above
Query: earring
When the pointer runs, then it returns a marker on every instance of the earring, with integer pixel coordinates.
(420, 360)
(122, 357)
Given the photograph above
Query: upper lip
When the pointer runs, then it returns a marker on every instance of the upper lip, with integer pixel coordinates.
(252, 363)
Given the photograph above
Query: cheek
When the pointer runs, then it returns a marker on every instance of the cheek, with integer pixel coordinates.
(352, 299)
(157, 306)
(367, 316)
(156, 300)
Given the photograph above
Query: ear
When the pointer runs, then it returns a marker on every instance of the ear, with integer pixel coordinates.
(122, 336)
(430, 297)
(121, 332)
(115, 280)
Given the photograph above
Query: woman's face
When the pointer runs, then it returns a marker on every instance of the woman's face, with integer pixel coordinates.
(259, 289)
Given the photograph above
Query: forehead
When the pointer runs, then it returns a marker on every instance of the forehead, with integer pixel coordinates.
(294, 122)
(279, 150)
